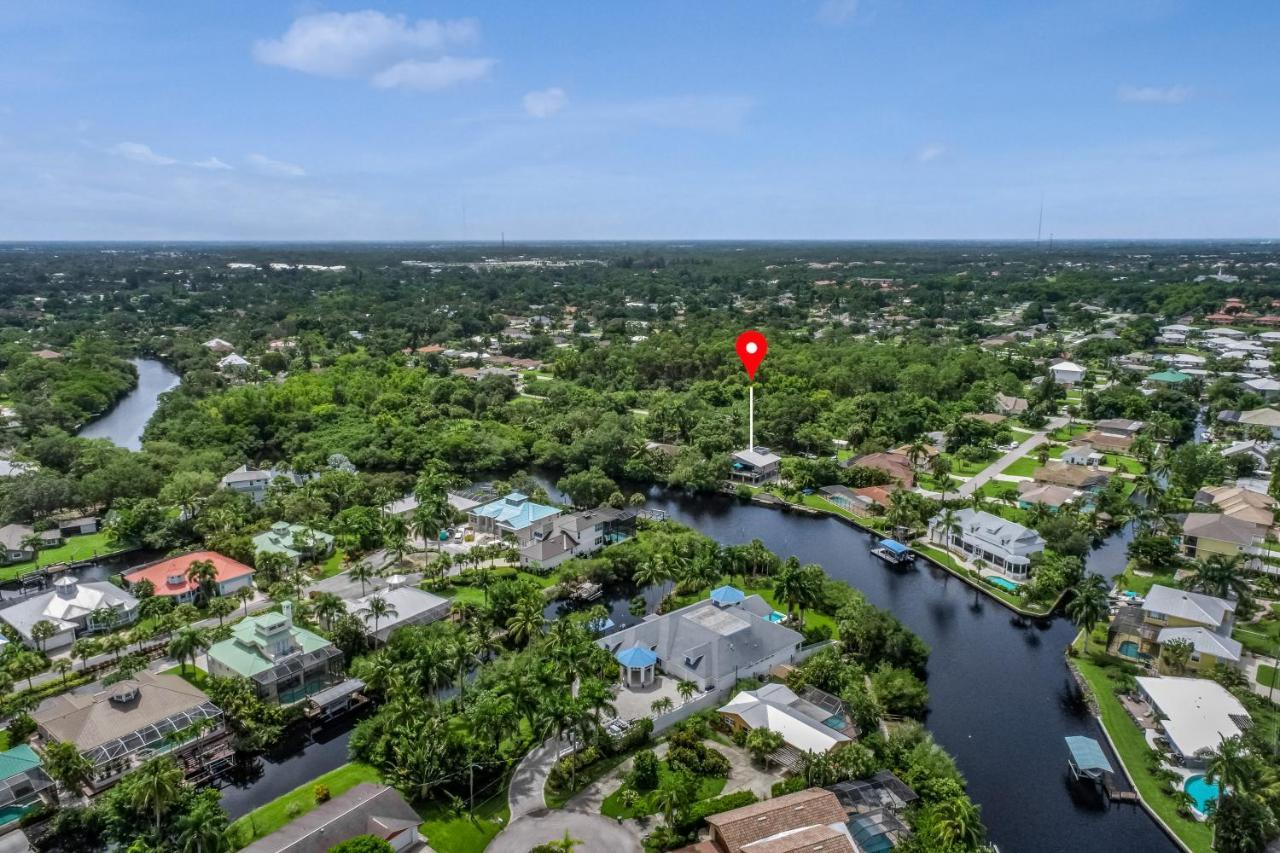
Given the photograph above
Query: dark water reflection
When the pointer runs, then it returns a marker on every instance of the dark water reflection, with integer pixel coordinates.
(124, 424)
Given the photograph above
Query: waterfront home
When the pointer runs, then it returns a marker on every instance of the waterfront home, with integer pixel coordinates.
(509, 516)
(22, 783)
(128, 722)
(1083, 478)
(712, 643)
(407, 606)
(1265, 418)
(1240, 503)
(1045, 494)
(295, 541)
(1003, 545)
(285, 663)
(896, 465)
(1081, 453)
(367, 809)
(1006, 405)
(234, 363)
(73, 607)
(804, 725)
(867, 501)
(1067, 374)
(755, 466)
(1195, 714)
(1256, 450)
(16, 540)
(1208, 533)
(169, 577)
(807, 820)
(575, 534)
(255, 482)
(1139, 632)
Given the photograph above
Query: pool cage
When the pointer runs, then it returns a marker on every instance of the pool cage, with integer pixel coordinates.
(883, 790)
(298, 676)
(115, 755)
(21, 788)
(878, 831)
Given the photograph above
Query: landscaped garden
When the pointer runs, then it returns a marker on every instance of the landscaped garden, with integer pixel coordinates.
(628, 802)
(691, 771)
(455, 829)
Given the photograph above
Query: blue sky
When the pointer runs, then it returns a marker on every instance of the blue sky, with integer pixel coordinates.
(840, 119)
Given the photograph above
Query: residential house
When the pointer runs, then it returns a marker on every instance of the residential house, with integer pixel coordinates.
(1266, 418)
(81, 525)
(1138, 632)
(1240, 503)
(295, 541)
(285, 663)
(1259, 451)
(1067, 373)
(366, 809)
(407, 605)
(511, 515)
(1007, 405)
(815, 815)
(1083, 478)
(255, 482)
(234, 363)
(1044, 494)
(1196, 715)
(1169, 377)
(1000, 544)
(169, 577)
(755, 466)
(73, 607)
(218, 345)
(805, 726)
(1208, 533)
(1081, 453)
(15, 539)
(577, 534)
(896, 465)
(1266, 387)
(712, 643)
(23, 781)
(867, 501)
(130, 721)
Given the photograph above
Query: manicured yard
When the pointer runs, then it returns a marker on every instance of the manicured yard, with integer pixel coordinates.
(1125, 464)
(1024, 467)
(265, 820)
(448, 831)
(195, 676)
(1261, 637)
(476, 595)
(964, 468)
(1021, 435)
(708, 787)
(951, 563)
(332, 565)
(1068, 432)
(995, 489)
(1100, 672)
(1267, 675)
(76, 548)
(1142, 584)
(819, 502)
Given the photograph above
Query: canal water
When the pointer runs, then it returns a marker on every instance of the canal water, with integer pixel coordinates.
(124, 423)
(1002, 698)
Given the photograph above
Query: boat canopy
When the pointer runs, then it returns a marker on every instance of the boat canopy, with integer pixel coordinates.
(1087, 755)
(893, 546)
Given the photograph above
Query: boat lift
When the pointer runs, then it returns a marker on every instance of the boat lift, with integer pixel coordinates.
(894, 552)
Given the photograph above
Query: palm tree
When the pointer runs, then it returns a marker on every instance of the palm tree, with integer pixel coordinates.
(377, 608)
(363, 572)
(328, 607)
(686, 689)
(527, 621)
(948, 526)
(1232, 766)
(42, 632)
(661, 705)
(114, 644)
(186, 645)
(203, 829)
(798, 586)
(203, 574)
(650, 573)
(245, 594)
(1221, 576)
(673, 794)
(1177, 653)
(433, 511)
(157, 784)
(66, 766)
(957, 824)
(395, 537)
(1089, 605)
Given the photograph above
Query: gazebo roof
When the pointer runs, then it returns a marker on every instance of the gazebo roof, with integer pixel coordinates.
(636, 657)
(726, 595)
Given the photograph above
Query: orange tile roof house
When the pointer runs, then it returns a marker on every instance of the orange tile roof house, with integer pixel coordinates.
(169, 577)
(733, 830)
(896, 465)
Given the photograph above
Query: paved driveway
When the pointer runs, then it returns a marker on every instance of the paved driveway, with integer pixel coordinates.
(977, 481)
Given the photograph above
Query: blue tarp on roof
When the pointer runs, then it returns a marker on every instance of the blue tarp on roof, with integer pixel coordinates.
(636, 657)
(1087, 754)
(893, 546)
(726, 595)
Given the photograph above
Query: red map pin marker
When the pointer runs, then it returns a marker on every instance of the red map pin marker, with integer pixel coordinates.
(751, 347)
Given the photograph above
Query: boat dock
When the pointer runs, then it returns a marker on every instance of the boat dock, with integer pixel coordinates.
(894, 552)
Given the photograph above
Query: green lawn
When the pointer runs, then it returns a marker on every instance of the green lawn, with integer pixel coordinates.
(1020, 435)
(995, 489)
(265, 820)
(1140, 584)
(612, 806)
(332, 565)
(950, 562)
(1267, 675)
(195, 676)
(963, 468)
(475, 594)
(1125, 464)
(818, 502)
(1100, 672)
(453, 832)
(1262, 637)
(76, 548)
(1024, 467)
(1068, 432)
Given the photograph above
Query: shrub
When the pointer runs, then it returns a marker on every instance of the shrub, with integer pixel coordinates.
(644, 773)
(788, 786)
(321, 793)
(694, 815)
(21, 727)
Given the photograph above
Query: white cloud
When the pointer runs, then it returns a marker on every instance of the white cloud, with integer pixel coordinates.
(432, 75)
(268, 166)
(836, 12)
(546, 102)
(139, 153)
(338, 44)
(690, 112)
(1153, 94)
(211, 163)
(930, 152)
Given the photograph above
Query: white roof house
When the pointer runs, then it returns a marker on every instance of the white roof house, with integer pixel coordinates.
(1002, 544)
(69, 606)
(1197, 713)
(219, 345)
(775, 707)
(1067, 373)
(411, 606)
(233, 362)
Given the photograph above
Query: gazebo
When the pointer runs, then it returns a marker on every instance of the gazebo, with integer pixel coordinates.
(726, 596)
(637, 666)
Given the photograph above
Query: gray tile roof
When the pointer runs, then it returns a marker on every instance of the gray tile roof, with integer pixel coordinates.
(366, 809)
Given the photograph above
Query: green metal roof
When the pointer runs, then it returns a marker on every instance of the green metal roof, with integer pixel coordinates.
(1169, 376)
(241, 652)
(17, 760)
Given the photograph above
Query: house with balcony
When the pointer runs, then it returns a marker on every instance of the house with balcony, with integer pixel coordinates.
(510, 516)
(1139, 632)
(128, 722)
(1207, 533)
(170, 578)
(74, 608)
(285, 663)
(1002, 545)
(755, 466)
(575, 534)
(255, 482)
(296, 541)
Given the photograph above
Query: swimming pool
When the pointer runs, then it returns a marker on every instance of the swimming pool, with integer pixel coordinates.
(1003, 583)
(1203, 793)
(1128, 649)
(775, 616)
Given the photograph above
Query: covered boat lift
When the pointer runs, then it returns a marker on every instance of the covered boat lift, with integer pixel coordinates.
(893, 552)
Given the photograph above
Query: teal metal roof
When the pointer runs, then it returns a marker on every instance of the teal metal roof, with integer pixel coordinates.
(515, 510)
(1169, 376)
(17, 760)
(636, 657)
(1087, 754)
(726, 595)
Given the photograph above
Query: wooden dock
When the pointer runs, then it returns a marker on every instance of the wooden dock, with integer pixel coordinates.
(1115, 795)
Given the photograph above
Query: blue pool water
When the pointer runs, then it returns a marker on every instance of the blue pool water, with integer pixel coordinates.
(1203, 792)
(1129, 649)
(775, 616)
(1003, 583)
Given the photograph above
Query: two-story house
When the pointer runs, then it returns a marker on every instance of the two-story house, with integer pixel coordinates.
(755, 466)
(1139, 632)
(577, 534)
(1000, 544)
